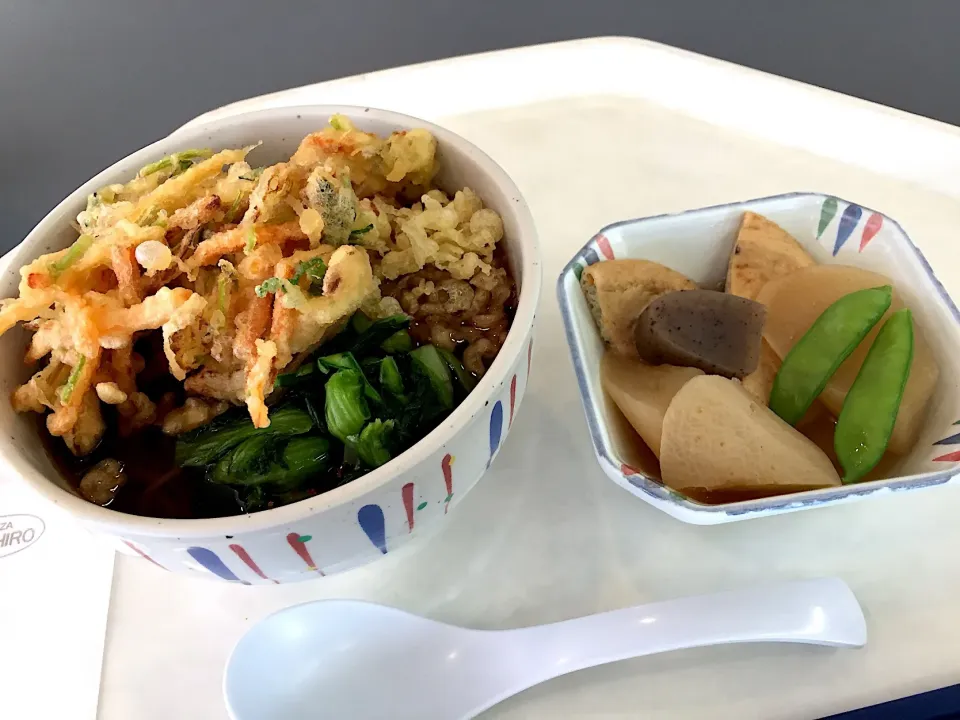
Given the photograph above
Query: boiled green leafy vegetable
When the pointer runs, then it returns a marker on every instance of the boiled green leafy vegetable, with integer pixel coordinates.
(390, 378)
(428, 361)
(399, 342)
(373, 443)
(346, 407)
(365, 396)
(259, 461)
(346, 361)
(466, 380)
(209, 442)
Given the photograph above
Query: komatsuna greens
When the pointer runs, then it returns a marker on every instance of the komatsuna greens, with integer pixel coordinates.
(362, 399)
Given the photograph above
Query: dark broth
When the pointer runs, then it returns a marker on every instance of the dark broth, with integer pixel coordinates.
(631, 448)
(155, 486)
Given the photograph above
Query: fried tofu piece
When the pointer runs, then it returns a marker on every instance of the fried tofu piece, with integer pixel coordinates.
(763, 252)
(617, 291)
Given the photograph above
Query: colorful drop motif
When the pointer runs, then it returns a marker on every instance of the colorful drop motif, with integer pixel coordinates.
(848, 222)
(406, 493)
(249, 562)
(627, 470)
(372, 522)
(529, 358)
(590, 257)
(142, 554)
(214, 564)
(496, 429)
(952, 440)
(827, 212)
(513, 398)
(870, 229)
(604, 244)
(447, 466)
(299, 544)
(578, 269)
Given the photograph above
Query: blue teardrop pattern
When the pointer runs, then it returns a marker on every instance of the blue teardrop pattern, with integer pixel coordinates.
(496, 429)
(373, 524)
(214, 564)
(848, 223)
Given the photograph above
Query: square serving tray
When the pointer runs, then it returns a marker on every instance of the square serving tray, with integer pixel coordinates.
(593, 132)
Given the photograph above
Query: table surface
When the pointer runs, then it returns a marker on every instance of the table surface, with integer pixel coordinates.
(86, 83)
(546, 536)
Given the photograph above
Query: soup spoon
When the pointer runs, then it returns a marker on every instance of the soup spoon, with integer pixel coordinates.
(350, 659)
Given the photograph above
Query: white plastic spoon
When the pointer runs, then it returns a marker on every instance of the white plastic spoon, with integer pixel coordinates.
(348, 659)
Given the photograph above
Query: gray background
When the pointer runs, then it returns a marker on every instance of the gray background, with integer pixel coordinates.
(84, 82)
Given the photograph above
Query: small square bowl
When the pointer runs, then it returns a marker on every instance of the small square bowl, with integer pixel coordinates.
(698, 243)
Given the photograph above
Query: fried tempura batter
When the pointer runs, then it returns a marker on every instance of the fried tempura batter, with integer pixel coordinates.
(241, 271)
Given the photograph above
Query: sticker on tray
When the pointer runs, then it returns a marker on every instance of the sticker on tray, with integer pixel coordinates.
(18, 532)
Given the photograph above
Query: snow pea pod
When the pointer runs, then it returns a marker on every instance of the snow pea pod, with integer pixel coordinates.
(870, 409)
(815, 357)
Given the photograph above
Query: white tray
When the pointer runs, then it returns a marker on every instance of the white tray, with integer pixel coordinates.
(594, 131)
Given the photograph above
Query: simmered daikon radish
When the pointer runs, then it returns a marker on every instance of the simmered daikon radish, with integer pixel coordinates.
(718, 440)
(643, 392)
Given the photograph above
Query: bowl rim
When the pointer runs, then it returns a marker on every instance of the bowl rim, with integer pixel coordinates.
(654, 491)
(496, 376)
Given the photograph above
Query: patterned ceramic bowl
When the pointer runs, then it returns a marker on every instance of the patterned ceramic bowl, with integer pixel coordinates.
(360, 521)
(698, 244)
